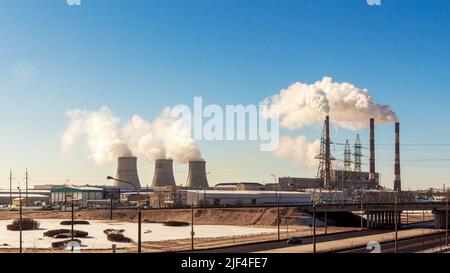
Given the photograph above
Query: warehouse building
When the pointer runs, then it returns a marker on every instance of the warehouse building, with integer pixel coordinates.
(223, 198)
(63, 196)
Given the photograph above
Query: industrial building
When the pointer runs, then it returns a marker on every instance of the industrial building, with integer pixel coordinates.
(127, 176)
(33, 196)
(240, 186)
(223, 198)
(63, 196)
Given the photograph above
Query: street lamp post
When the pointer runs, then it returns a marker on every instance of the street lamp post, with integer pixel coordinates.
(326, 216)
(71, 230)
(139, 211)
(314, 226)
(192, 224)
(110, 208)
(20, 220)
(396, 223)
(361, 211)
(446, 218)
(278, 205)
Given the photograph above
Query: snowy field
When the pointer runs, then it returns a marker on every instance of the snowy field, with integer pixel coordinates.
(97, 239)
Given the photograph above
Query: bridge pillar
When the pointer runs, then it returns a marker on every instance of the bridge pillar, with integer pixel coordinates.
(370, 220)
(439, 219)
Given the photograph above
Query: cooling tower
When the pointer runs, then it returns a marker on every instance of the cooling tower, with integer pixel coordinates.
(127, 171)
(372, 151)
(197, 175)
(163, 173)
(397, 181)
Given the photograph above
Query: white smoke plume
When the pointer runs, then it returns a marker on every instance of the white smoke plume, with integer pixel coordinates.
(165, 137)
(301, 105)
(349, 107)
(300, 150)
(102, 135)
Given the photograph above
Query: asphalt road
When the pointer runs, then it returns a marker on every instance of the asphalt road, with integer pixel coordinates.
(265, 246)
(281, 244)
(413, 245)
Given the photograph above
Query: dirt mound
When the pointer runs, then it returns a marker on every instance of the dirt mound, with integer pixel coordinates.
(116, 235)
(63, 244)
(176, 224)
(27, 224)
(68, 223)
(57, 232)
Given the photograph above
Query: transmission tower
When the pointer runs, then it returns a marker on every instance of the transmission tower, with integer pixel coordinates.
(347, 156)
(325, 167)
(357, 154)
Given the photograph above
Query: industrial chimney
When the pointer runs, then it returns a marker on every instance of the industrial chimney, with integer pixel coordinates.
(327, 153)
(197, 175)
(397, 181)
(127, 171)
(372, 152)
(163, 173)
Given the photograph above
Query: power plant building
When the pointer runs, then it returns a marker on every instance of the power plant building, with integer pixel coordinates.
(197, 175)
(163, 175)
(127, 176)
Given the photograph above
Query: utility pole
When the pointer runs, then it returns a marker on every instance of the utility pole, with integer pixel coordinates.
(278, 211)
(326, 216)
(192, 225)
(71, 230)
(110, 208)
(139, 227)
(446, 217)
(314, 226)
(20, 220)
(26, 187)
(361, 211)
(10, 187)
(278, 204)
(396, 223)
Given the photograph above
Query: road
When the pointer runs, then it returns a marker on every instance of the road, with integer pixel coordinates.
(280, 244)
(267, 246)
(412, 245)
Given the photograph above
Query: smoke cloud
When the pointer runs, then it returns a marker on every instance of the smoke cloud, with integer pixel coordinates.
(102, 135)
(300, 150)
(303, 104)
(165, 137)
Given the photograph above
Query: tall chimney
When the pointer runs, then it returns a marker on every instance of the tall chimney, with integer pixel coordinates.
(397, 181)
(372, 152)
(127, 171)
(327, 153)
(197, 175)
(163, 173)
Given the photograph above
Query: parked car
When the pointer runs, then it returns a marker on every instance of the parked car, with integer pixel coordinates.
(294, 241)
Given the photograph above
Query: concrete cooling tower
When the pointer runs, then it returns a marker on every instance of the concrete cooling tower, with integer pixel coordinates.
(127, 171)
(163, 173)
(197, 175)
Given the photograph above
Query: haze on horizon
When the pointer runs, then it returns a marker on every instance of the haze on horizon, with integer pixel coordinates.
(58, 58)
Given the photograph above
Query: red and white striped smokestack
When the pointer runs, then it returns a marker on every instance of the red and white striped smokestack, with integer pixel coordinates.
(372, 151)
(397, 181)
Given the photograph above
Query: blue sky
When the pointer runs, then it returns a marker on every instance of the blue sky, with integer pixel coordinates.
(137, 57)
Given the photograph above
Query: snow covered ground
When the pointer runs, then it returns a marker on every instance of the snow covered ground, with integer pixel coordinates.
(97, 239)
